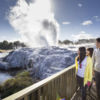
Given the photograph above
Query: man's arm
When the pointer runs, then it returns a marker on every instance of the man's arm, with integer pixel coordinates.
(93, 61)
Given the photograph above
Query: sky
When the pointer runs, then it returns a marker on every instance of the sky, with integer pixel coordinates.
(77, 19)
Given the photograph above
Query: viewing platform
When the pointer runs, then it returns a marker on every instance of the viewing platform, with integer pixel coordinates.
(62, 83)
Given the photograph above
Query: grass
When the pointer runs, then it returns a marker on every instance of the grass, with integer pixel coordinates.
(13, 85)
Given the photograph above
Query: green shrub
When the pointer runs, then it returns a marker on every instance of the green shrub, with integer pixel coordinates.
(15, 84)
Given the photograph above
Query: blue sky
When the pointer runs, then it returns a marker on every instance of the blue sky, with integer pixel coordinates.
(77, 19)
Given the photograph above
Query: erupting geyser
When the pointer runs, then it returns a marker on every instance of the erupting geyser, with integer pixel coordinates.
(35, 22)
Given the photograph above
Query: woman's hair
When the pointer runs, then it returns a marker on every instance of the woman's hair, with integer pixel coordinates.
(91, 51)
(82, 54)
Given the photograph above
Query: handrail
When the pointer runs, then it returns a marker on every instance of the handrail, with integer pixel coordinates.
(37, 90)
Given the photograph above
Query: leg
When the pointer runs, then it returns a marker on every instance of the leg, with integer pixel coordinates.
(97, 79)
(80, 82)
(83, 92)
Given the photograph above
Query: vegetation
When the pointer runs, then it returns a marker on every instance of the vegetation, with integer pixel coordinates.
(85, 41)
(65, 42)
(15, 84)
(5, 45)
(77, 42)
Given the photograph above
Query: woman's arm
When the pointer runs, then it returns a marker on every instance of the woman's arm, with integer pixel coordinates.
(90, 70)
(76, 64)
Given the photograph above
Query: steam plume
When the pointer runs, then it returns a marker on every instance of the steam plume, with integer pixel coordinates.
(35, 22)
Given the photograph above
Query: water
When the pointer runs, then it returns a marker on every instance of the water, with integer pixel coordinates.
(3, 54)
(4, 77)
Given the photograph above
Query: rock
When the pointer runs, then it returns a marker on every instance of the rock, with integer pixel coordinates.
(4, 65)
(43, 62)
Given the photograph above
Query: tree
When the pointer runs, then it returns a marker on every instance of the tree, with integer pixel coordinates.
(11, 45)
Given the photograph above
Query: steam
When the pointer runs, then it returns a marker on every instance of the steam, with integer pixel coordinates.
(35, 22)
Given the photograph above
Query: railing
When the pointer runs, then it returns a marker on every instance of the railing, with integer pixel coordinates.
(62, 83)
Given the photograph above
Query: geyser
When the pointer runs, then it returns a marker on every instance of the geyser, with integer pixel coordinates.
(35, 22)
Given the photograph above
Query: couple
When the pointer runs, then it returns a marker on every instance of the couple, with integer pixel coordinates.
(88, 62)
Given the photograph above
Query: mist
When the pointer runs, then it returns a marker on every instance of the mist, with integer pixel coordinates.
(35, 22)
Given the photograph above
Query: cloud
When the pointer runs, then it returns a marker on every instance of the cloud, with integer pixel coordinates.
(86, 23)
(66, 23)
(80, 5)
(97, 18)
(82, 35)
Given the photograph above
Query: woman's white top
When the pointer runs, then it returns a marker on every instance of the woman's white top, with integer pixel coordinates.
(81, 71)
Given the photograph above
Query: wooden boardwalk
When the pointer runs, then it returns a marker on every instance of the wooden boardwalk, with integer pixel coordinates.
(91, 95)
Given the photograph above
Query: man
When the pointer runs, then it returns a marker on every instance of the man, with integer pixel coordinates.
(96, 65)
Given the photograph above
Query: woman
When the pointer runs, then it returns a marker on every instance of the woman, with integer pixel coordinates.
(83, 70)
(89, 52)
